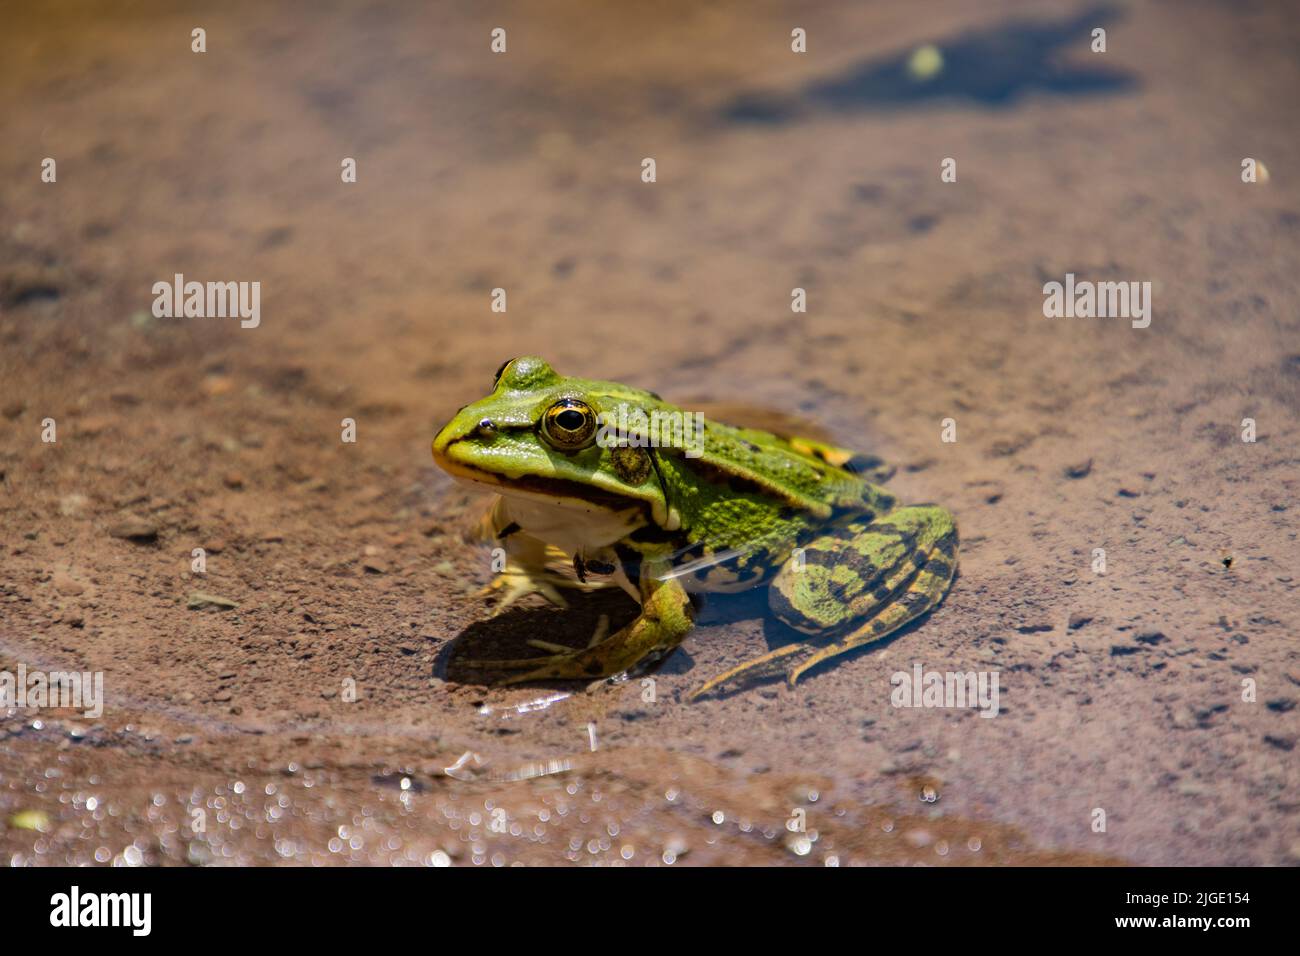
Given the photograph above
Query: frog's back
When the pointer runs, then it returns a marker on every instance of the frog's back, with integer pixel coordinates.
(806, 474)
(742, 506)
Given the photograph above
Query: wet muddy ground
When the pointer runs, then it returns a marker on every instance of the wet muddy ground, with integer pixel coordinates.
(227, 735)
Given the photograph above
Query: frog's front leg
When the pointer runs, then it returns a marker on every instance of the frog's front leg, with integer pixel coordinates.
(526, 572)
(531, 565)
(665, 618)
(857, 585)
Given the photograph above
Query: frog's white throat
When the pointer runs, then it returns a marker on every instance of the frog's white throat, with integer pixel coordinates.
(573, 526)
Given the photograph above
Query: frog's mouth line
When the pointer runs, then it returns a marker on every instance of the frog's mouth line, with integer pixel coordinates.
(556, 491)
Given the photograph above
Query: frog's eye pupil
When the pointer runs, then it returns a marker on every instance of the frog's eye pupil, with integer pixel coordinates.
(570, 419)
(569, 425)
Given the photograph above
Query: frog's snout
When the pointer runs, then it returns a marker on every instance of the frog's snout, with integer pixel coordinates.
(463, 427)
(446, 436)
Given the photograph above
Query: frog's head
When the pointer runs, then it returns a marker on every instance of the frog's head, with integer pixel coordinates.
(539, 435)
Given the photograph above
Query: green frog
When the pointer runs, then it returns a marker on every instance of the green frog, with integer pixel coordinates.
(640, 494)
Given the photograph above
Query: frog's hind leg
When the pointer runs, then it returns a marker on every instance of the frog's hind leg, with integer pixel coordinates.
(925, 592)
(860, 583)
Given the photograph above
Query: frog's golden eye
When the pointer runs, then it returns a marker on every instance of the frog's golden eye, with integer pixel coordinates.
(497, 377)
(569, 425)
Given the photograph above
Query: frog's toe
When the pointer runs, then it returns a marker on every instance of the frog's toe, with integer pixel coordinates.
(558, 667)
(520, 663)
(563, 663)
(768, 665)
(509, 586)
(586, 664)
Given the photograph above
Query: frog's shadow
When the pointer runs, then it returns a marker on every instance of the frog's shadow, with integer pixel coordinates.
(506, 636)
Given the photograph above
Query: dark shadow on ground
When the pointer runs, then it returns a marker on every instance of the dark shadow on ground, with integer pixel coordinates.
(991, 68)
(506, 637)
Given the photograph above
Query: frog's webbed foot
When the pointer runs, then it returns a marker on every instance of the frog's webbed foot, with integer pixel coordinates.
(517, 582)
(900, 566)
(769, 665)
(665, 619)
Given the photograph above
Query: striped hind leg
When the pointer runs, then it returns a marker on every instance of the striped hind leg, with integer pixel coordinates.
(859, 583)
(925, 592)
